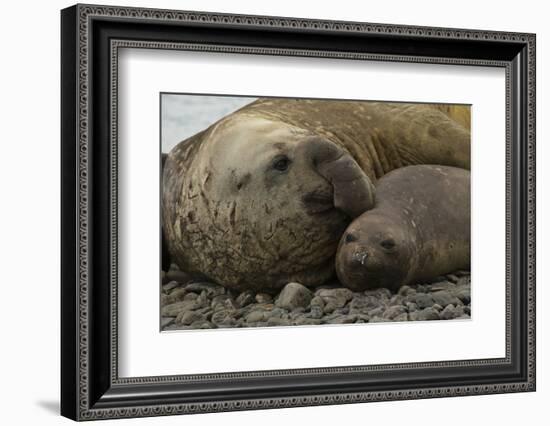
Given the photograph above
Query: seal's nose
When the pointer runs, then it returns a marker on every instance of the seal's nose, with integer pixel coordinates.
(360, 257)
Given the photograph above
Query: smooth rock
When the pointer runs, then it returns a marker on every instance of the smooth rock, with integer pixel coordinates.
(444, 298)
(174, 309)
(188, 317)
(316, 312)
(202, 325)
(190, 296)
(428, 314)
(335, 298)
(294, 295)
(411, 306)
(405, 290)
(452, 278)
(166, 321)
(377, 311)
(343, 319)
(423, 300)
(394, 311)
(170, 286)
(444, 285)
(256, 316)
(275, 321)
(306, 321)
(396, 300)
(451, 312)
(177, 295)
(317, 301)
(463, 294)
(362, 303)
(401, 317)
(245, 298)
(264, 298)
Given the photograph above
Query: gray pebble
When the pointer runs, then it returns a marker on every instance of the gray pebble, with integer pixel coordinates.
(411, 306)
(294, 295)
(396, 300)
(188, 317)
(437, 307)
(394, 311)
(401, 317)
(256, 316)
(406, 290)
(166, 321)
(423, 300)
(377, 311)
(463, 294)
(170, 286)
(343, 319)
(190, 296)
(306, 321)
(316, 312)
(444, 298)
(317, 301)
(245, 298)
(428, 314)
(335, 298)
(264, 298)
(444, 285)
(452, 278)
(177, 295)
(174, 309)
(274, 321)
(202, 325)
(451, 312)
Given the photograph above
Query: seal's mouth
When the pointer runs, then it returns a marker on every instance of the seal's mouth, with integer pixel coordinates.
(317, 202)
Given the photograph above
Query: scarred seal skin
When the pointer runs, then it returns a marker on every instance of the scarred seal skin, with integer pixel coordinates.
(262, 197)
(418, 229)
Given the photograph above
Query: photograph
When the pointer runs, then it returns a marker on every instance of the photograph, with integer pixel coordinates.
(309, 212)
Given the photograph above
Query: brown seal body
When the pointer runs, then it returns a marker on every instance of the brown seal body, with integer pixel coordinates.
(262, 197)
(419, 229)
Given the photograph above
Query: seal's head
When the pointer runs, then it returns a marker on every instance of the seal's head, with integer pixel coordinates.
(375, 251)
(268, 201)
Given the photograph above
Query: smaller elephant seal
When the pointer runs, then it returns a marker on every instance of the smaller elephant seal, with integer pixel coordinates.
(418, 229)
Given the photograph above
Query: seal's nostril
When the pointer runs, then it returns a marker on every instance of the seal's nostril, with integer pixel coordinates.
(360, 257)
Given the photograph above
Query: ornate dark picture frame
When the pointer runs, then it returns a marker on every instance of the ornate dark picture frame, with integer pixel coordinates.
(91, 36)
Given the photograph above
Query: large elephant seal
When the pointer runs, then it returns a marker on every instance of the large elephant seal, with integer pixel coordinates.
(261, 197)
(419, 229)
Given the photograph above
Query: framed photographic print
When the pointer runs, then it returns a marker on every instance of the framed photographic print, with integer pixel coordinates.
(263, 212)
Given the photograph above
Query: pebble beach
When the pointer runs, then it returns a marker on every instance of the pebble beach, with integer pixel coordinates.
(187, 303)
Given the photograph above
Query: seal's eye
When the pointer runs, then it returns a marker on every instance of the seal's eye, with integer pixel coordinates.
(281, 163)
(350, 238)
(388, 244)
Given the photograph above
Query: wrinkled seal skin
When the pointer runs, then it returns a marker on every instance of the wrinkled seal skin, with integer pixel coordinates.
(419, 229)
(261, 197)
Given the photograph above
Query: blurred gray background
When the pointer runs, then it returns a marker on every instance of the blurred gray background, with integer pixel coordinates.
(184, 115)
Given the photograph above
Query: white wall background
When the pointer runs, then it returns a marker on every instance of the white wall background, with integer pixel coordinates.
(29, 212)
